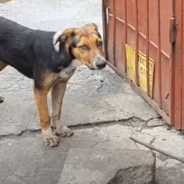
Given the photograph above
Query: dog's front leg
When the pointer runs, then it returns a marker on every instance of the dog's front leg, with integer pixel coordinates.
(58, 92)
(50, 138)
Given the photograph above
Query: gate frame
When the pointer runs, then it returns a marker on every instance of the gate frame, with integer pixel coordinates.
(173, 38)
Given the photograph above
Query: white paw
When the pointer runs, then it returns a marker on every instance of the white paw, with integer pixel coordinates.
(50, 139)
(64, 131)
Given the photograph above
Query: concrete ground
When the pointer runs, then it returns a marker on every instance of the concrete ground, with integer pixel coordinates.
(99, 106)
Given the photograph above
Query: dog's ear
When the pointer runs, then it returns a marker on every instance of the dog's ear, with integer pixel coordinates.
(66, 35)
(63, 38)
(92, 26)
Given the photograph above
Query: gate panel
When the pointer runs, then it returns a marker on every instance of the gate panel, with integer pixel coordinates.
(121, 35)
(165, 15)
(131, 23)
(120, 51)
(132, 33)
(143, 32)
(154, 47)
(110, 41)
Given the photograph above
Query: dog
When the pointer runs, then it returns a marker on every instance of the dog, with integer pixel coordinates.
(50, 59)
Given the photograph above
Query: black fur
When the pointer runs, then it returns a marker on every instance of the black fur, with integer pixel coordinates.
(30, 51)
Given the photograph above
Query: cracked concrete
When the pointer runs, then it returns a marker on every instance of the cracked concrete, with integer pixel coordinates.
(100, 106)
(24, 159)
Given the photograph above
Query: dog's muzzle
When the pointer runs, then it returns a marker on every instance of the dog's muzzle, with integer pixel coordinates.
(99, 63)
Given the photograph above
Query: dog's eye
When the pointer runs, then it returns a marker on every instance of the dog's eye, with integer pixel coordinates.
(99, 43)
(84, 47)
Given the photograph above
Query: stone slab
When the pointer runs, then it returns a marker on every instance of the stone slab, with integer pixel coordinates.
(108, 166)
(24, 159)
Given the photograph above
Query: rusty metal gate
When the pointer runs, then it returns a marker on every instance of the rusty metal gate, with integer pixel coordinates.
(143, 42)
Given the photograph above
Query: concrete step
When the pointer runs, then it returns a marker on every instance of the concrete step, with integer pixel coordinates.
(108, 166)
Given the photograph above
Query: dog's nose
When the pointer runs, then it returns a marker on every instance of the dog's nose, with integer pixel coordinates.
(100, 64)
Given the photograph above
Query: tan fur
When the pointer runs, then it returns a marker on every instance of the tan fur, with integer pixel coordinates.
(41, 102)
(2, 65)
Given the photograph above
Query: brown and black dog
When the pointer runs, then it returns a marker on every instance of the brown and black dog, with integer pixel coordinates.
(50, 59)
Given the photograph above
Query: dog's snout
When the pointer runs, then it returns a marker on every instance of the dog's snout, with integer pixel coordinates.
(100, 63)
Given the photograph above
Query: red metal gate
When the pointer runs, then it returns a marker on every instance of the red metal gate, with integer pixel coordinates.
(145, 31)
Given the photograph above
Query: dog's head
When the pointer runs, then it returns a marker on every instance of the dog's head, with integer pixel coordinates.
(85, 44)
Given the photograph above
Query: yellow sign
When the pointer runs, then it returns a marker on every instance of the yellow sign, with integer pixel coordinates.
(130, 56)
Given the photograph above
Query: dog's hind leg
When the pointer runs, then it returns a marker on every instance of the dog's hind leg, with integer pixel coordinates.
(2, 66)
(58, 92)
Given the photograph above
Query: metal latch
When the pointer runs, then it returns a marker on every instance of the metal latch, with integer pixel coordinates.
(107, 14)
(173, 30)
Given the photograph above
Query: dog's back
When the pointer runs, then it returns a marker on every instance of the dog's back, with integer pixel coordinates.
(19, 46)
(16, 39)
(13, 35)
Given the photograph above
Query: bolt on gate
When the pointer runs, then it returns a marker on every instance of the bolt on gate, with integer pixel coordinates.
(144, 41)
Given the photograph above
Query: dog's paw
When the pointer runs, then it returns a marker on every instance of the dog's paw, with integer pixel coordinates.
(64, 131)
(1, 99)
(50, 139)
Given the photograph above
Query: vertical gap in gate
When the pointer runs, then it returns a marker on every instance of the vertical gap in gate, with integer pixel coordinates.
(178, 67)
(137, 45)
(126, 28)
(147, 49)
(105, 28)
(159, 58)
(172, 69)
(114, 32)
(182, 61)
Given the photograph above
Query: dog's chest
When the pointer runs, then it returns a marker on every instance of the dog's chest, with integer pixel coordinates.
(66, 73)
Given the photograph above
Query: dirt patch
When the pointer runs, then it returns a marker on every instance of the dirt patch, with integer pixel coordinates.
(4, 1)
